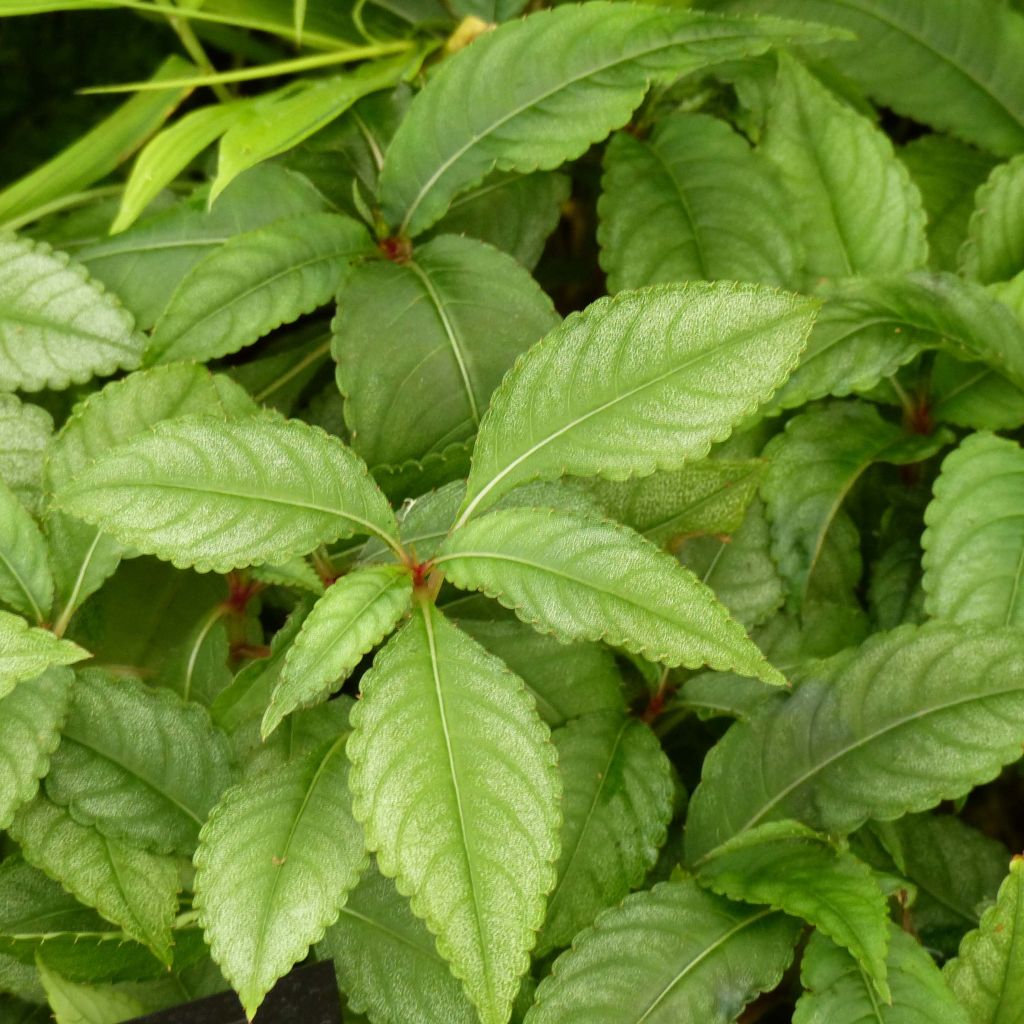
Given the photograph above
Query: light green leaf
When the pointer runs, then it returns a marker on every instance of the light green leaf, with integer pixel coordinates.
(168, 153)
(948, 173)
(447, 323)
(987, 977)
(25, 651)
(911, 718)
(974, 543)
(717, 695)
(515, 213)
(955, 65)
(617, 805)
(221, 494)
(446, 743)
(97, 152)
(26, 583)
(857, 210)
(135, 890)
(254, 283)
(584, 578)
(994, 250)
(275, 862)
(24, 431)
(593, 65)
(57, 326)
(74, 1003)
(693, 202)
(838, 991)
(673, 953)
(276, 123)
(974, 396)
(812, 467)
(355, 614)
(145, 264)
(658, 375)
(566, 680)
(30, 722)
(791, 868)
(711, 496)
(386, 962)
(140, 765)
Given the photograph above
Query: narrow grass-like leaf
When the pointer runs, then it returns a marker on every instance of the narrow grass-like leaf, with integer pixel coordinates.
(911, 718)
(57, 325)
(813, 466)
(254, 283)
(220, 494)
(693, 202)
(592, 66)
(857, 209)
(275, 863)
(31, 719)
(618, 801)
(838, 991)
(787, 866)
(455, 783)
(659, 375)
(26, 583)
(355, 614)
(136, 890)
(584, 578)
(673, 953)
(140, 765)
(447, 324)
(987, 977)
(25, 651)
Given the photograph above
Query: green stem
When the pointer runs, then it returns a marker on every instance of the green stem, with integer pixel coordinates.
(195, 50)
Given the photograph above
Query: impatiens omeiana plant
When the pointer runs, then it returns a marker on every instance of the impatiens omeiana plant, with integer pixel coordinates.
(536, 519)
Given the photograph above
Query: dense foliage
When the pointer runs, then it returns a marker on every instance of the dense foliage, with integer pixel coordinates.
(659, 664)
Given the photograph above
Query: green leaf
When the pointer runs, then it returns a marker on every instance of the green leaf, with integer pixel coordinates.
(711, 496)
(693, 202)
(82, 556)
(25, 652)
(276, 123)
(515, 213)
(593, 65)
(168, 153)
(97, 152)
(812, 467)
(987, 977)
(353, 617)
(135, 890)
(254, 283)
(57, 326)
(24, 432)
(275, 862)
(447, 323)
(386, 962)
(566, 680)
(838, 991)
(455, 783)
(894, 592)
(584, 578)
(26, 583)
(221, 494)
(948, 173)
(974, 543)
(30, 722)
(857, 210)
(673, 953)
(659, 375)
(617, 805)
(791, 868)
(145, 264)
(140, 765)
(994, 250)
(974, 396)
(955, 66)
(911, 718)
(73, 1003)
